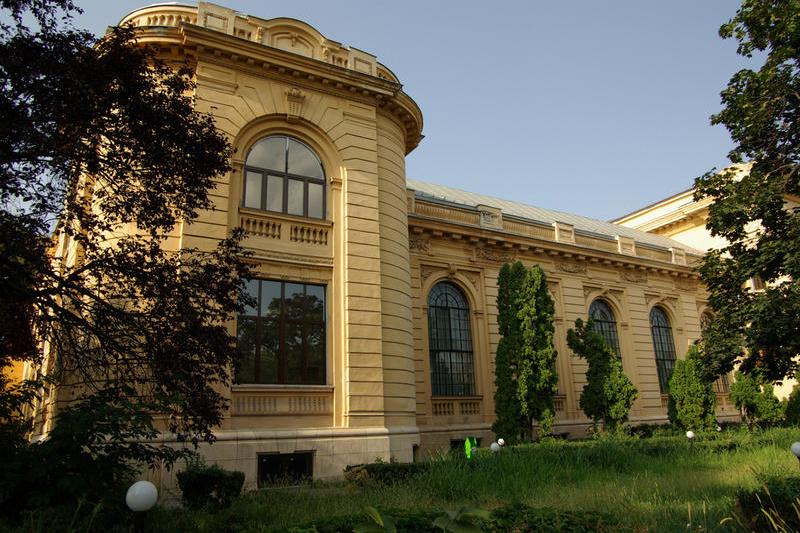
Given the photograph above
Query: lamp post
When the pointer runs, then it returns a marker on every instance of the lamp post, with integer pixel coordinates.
(690, 436)
(796, 449)
(140, 498)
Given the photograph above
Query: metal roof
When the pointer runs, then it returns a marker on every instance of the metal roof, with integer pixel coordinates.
(441, 193)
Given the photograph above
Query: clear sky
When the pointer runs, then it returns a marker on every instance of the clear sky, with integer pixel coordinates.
(595, 107)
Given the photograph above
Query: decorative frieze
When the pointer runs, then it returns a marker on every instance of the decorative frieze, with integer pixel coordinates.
(633, 276)
(419, 244)
(489, 254)
(572, 267)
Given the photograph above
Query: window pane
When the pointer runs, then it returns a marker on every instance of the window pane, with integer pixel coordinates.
(269, 153)
(315, 302)
(315, 357)
(246, 333)
(251, 288)
(294, 204)
(295, 301)
(302, 161)
(270, 298)
(252, 190)
(270, 347)
(274, 193)
(295, 362)
(315, 207)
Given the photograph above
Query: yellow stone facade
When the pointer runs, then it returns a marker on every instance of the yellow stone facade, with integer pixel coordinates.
(384, 243)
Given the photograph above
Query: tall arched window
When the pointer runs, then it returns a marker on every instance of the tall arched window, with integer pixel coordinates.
(450, 342)
(284, 175)
(604, 323)
(663, 345)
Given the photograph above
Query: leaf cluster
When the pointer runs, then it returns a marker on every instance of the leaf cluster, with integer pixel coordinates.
(608, 394)
(103, 159)
(756, 399)
(755, 206)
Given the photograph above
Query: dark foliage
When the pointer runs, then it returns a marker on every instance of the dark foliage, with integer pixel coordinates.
(209, 486)
(514, 517)
(760, 110)
(776, 501)
(103, 155)
(383, 473)
(792, 407)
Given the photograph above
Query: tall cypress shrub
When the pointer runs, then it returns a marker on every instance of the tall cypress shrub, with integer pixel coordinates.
(525, 373)
(509, 423)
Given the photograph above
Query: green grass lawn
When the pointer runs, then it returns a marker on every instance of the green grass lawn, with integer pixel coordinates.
(645, 484)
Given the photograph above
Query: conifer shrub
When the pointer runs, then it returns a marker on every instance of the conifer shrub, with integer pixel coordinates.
(756, 401)
(608, 394)
(692, 400)
(209, 486)
(525, 372)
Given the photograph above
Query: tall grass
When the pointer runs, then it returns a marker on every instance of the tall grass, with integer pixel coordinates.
(655, 484)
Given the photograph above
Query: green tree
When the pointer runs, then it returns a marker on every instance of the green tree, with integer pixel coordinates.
(525, 368)
(760, 110)
(608, 394)
(692, 401)
(100, 135)
(792, 407)
(509, 423)
(755, 400)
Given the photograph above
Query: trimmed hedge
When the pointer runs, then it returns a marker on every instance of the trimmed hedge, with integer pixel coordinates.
(209, 486)
(515, 517)
(383, 473)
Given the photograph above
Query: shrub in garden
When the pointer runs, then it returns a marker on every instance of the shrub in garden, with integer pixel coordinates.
(525, 366)
(608, 394)
(205, 485)
(692, 400)
(792, 407)
(756, 402)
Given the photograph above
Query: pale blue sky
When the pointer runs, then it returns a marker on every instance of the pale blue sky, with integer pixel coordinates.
(595, 107)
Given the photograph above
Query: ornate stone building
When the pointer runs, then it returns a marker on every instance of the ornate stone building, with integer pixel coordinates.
(375, 329)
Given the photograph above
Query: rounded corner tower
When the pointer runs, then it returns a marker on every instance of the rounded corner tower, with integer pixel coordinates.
(320, 133)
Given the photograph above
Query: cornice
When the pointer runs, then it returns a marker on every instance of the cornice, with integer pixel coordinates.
(262, 60)
(498, 246)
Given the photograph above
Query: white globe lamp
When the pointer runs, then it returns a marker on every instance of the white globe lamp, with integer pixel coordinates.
(690, 435)
(796, 449)
(495, 447)
(501, 442)
(141, 496)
